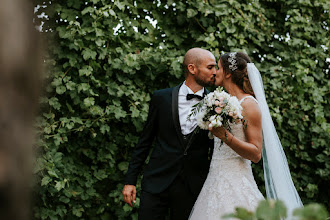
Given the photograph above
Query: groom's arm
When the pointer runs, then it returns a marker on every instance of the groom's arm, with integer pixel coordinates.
(142, 149)
(140, 153)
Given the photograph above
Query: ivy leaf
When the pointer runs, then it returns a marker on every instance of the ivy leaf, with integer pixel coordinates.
(64, 199)
(96, 110)
(112, 13)
(135, 112)
(89, 101)
(100, 174)
(85, 71)
(48, 130)
(99, 32)
(311, 211)
(99, 42)
(77, 211)
(57, 82)
(127, 208)
(52, 173)
(191, 13)
(123, 166)
(59, 185)
(104, 128)
(45, 180)
(83, 87)
(271, 209)
(119, 113)
(88, 54)
(120, 5)
(70, 85)
(87, 10)
(60, 89)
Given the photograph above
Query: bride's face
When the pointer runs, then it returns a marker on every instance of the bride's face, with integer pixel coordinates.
(220, 75)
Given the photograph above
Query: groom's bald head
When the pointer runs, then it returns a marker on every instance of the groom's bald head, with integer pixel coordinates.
(194, 56)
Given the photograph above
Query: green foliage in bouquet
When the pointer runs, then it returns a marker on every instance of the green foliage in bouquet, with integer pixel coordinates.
(276, 210)
(105, 58)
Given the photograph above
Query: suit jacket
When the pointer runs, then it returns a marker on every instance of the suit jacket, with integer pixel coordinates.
(172, 155)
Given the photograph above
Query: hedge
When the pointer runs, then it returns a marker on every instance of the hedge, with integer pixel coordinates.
(105, 58)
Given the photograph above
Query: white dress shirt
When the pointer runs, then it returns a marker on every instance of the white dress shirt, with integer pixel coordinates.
(185, 108)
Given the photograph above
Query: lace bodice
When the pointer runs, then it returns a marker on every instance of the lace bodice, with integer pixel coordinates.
(222, 150)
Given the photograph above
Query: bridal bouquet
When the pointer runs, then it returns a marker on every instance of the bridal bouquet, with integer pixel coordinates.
(217, 109)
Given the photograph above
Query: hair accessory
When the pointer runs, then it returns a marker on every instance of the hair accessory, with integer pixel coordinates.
(232, 60)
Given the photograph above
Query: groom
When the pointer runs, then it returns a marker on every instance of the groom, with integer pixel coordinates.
(179, 163)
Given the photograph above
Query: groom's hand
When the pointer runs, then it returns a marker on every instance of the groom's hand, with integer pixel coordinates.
(129, 193)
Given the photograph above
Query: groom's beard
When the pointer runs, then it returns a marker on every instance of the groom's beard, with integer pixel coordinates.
(204, 82)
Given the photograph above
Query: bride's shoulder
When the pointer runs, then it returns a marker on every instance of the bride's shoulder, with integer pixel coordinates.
(251, 108)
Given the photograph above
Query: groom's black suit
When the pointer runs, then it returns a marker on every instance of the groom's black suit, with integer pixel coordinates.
(176, 161)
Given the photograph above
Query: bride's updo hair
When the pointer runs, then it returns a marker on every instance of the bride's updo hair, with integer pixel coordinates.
(239, 75)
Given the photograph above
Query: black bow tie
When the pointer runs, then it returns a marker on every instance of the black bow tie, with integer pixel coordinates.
(191, 96)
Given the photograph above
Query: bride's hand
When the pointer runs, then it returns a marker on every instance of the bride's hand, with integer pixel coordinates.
(220, 132)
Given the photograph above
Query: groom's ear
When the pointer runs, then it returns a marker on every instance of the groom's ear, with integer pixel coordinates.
(192, 68)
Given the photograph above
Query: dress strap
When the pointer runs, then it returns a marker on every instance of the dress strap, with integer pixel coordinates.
(250, 96)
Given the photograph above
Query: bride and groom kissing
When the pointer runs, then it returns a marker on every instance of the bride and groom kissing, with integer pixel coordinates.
(189, 175)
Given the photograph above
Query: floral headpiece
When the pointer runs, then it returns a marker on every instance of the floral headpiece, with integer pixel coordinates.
(232, 60)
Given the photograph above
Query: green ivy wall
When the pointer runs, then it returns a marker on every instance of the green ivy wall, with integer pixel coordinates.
(105, 58)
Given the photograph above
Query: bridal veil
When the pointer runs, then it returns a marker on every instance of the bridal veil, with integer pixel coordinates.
(279, 184)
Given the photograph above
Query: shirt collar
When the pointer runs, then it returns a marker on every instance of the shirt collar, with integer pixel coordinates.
(184, 90)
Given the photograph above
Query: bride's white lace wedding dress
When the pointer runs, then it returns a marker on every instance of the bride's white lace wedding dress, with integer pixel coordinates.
(229, 184)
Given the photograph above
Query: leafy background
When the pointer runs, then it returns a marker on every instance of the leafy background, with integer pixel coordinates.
(105, 58)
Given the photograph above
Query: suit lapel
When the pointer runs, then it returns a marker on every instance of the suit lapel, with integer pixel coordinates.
(175, 112)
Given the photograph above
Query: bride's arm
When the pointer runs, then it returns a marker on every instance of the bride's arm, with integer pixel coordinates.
(252, 148)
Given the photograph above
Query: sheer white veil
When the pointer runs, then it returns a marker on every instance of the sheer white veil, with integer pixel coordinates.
(279, 184)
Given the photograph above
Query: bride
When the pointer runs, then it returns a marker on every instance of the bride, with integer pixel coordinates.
(230, 182)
